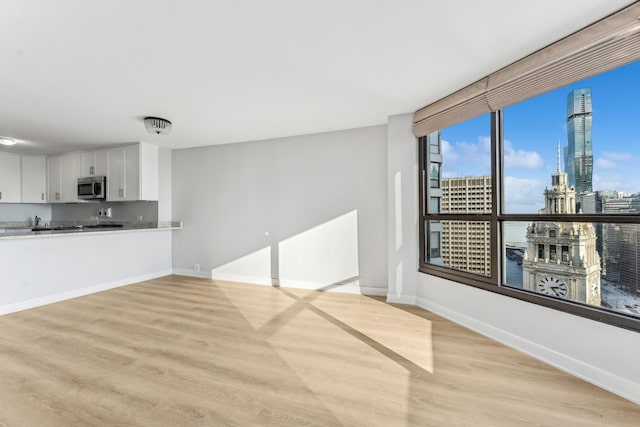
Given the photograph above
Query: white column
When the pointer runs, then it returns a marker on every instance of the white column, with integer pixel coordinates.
(402, 185)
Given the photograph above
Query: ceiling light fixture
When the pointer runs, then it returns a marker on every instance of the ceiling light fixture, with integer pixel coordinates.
(157, 125)
(7, 141)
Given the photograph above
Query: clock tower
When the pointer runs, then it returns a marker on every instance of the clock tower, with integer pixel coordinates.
(561, 258)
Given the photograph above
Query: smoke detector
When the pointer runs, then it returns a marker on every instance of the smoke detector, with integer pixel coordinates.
(157, 125)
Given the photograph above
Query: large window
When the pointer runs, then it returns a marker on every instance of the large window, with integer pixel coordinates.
(540, 199)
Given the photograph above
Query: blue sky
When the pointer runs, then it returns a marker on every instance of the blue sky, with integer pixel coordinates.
(533, 127)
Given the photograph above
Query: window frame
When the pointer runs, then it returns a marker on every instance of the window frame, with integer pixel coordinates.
(497, 218)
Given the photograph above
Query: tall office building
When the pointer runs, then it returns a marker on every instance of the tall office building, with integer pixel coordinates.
(433, 186)
(578, 152)
(593, 203)
(622, 245)
(465, 244)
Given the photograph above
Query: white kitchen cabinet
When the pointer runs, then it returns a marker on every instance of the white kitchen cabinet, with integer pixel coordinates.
(54, 186)
(94, 163)
(133, 173)
(34, 179)
(115, 175)
(62, 177)
(9, 178)
(69, 174)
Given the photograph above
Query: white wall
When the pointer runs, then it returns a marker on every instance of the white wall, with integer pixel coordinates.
(602, 354)
(309, 211)
(42, 270)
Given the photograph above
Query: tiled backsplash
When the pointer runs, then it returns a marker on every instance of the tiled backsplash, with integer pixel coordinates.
(120, 211)
(139, 212)
(24, 213)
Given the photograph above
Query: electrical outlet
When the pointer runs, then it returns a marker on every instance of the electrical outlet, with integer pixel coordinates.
(196, 267)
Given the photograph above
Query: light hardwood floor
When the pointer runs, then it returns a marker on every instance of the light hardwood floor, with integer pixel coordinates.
(180, 351)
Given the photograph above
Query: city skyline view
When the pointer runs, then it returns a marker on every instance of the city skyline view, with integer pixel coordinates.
(532, 130)
(571, 150)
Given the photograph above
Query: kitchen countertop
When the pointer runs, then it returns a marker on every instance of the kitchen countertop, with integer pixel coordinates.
(28, 233)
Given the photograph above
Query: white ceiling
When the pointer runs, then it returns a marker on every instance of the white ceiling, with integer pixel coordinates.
(78, 73)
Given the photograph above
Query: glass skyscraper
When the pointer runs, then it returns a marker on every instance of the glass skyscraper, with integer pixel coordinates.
(578, 152)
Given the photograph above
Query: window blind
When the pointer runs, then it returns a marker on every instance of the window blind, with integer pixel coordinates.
(609, 43)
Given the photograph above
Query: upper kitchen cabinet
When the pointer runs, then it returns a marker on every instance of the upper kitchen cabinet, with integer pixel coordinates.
(9, 178)
(54, 186)
(62, 177)
(94, 163)
(34, 179)
(133, 173)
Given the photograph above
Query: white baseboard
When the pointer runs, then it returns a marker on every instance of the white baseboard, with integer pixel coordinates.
(592, 374)
(346, 288)
(373, 291)
(192, 273)
(241, 278)
(62, 296)
(402, 299)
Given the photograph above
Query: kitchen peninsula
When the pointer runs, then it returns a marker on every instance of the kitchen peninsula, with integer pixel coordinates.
(43, 267)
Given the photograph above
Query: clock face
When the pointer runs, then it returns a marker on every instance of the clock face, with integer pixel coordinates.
(552, 286)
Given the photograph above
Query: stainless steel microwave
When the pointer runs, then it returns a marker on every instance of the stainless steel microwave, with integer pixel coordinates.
(92, 188)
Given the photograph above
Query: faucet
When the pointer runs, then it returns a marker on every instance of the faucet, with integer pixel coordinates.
(37, 220)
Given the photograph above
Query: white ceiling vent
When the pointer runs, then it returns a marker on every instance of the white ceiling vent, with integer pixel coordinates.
(157, 125)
